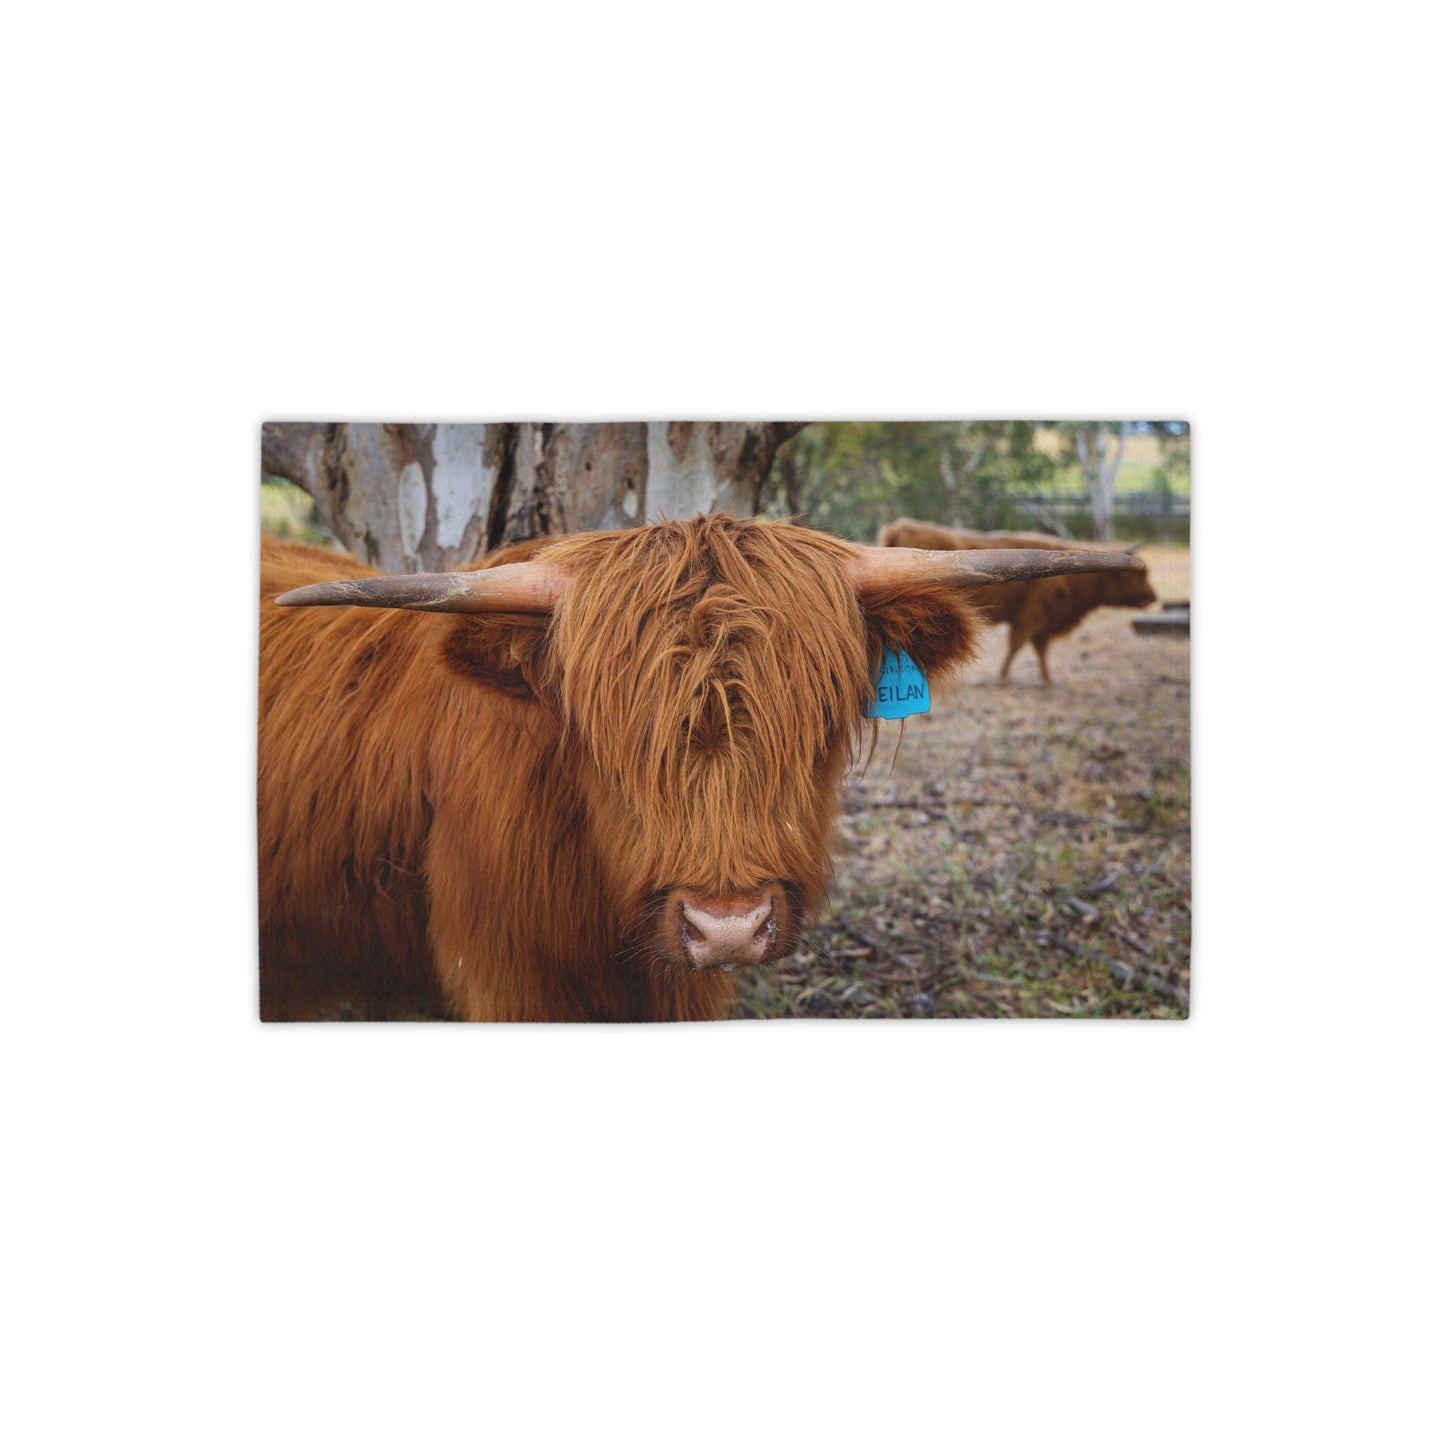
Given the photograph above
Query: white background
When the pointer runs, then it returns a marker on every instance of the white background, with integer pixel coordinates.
(1226, 1229)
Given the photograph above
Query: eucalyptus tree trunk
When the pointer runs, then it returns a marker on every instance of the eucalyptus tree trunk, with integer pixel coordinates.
(425, 498)
(1100, 472)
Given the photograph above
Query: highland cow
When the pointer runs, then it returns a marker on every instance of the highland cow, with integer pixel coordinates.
(1039, 609)
(602, 783)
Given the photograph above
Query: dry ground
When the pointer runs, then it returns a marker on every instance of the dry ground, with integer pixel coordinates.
(1027, 855)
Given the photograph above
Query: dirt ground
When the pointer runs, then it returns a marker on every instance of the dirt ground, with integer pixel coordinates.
(1026, 852)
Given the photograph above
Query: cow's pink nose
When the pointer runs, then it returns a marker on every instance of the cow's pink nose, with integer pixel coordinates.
(729, 932)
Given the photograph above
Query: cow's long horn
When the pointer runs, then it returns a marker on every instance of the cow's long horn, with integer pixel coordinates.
(512, 587)
(875, 569)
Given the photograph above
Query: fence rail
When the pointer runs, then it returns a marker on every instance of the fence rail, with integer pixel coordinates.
(1147, 515)
(1126, 504)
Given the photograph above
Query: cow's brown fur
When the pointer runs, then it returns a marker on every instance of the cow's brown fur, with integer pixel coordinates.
(1036, 611)
(481, 813)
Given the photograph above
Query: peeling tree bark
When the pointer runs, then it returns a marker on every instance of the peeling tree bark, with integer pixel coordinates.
(414, 498)
(400, 497)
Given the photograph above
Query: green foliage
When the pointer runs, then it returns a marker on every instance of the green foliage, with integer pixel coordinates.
(1173, 465)
(851, 478)
(287, 512)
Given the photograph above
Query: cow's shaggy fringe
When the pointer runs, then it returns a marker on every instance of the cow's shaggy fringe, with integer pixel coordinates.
(481, 813)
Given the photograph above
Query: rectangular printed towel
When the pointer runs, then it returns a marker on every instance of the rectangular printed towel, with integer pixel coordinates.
(632, 722)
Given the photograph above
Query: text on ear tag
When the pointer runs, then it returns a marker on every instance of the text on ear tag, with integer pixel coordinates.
(900, 689)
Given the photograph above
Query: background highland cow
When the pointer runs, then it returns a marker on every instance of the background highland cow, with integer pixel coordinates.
(1036, 610)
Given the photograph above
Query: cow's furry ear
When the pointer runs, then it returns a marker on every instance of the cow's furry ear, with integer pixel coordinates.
(502, 651)
(933, 624)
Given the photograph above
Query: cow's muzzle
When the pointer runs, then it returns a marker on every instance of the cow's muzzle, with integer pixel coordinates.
(736, 931)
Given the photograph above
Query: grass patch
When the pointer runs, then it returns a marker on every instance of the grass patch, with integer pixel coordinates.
(1028, 856)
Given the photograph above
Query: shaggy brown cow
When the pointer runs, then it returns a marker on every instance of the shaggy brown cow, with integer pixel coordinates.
(1039, 609)
(604, 784)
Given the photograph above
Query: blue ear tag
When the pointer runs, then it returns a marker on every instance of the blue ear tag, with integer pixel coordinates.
(901, 687)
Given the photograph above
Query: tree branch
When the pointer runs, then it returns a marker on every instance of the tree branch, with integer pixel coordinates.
(292, 450)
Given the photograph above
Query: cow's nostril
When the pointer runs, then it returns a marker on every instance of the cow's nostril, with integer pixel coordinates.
(768, 930)
(729, 931)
